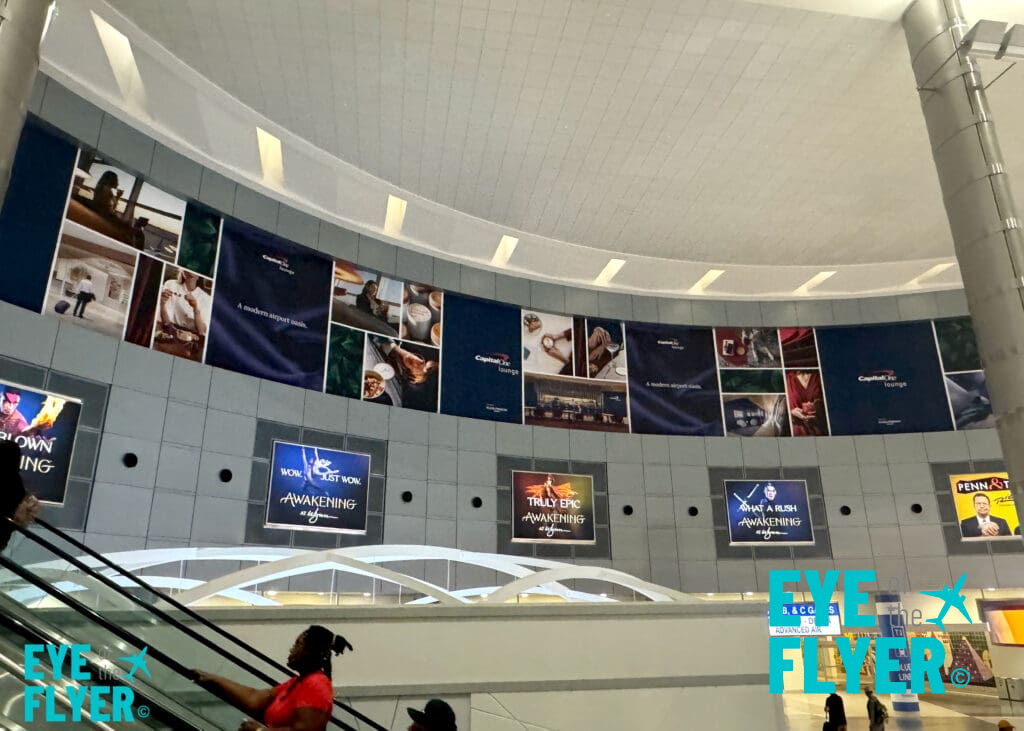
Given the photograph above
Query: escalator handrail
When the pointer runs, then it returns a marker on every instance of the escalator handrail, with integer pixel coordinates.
(188, 611)
(126, 635)
(38, 635)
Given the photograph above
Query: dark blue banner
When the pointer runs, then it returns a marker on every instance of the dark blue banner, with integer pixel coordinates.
(32, 213)
(673, 380)
(883, 379)
(772, 512)
(271, 307)
(316, 489)
(44, 426)
(481, 371)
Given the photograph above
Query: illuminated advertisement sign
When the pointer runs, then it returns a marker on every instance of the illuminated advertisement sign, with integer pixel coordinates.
(552, 508)
(768, 511)
(317, 489)
(43, 424)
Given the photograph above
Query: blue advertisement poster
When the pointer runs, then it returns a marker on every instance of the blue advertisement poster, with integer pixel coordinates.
(673, 380)
(315, 489)
(271, 307)
(44, 425)
(483, 363)
(883, 379)
(773, 512)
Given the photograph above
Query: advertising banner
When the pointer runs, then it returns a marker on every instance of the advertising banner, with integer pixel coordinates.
(985, 508)
(883, 379)
(482, 375)
(775, 512)
(673, 380)
(271, 308)
(44, 425)
(316, 489)
(552, 508)
(807, 626)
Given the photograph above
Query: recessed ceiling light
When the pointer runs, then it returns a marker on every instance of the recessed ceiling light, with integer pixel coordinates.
(813, 282)
(937, 269)
(366, 593)
(610, 270)
(271, 593)
(504, 251)
(604, 596)
(706, 281)
(991, 588)
(711, 593)
(271, 158)
(122, 62)
(395, 216)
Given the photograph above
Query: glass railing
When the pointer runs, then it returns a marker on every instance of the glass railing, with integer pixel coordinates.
(56, 703)
(147, 614)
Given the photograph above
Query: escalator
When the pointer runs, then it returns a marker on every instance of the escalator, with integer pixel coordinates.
(82, 598)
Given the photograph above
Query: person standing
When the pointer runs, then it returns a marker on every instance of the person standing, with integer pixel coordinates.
(835, 710)
(877, 712)
(84, 296)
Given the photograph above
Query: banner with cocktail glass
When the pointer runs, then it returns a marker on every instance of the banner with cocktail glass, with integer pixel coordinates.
(105, 248)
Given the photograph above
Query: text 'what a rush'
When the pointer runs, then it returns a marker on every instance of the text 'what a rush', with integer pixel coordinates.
(916, 663)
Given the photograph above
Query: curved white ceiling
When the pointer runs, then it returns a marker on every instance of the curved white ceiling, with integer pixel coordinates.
(767, 141)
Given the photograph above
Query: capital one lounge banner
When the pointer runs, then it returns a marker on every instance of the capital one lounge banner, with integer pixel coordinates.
(316, 489)
(552, 508)
(43, 424)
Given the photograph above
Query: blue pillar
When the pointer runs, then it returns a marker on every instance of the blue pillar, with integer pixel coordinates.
(890, 624)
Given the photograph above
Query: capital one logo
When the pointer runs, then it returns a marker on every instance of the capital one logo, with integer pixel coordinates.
(902, 664)
(68, 677)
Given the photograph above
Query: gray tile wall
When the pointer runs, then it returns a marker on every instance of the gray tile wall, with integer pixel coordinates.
(187, 422)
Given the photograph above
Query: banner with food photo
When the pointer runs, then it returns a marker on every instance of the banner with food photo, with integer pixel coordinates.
(985, 508)
(552, 508)
(44, 425)
(317, 489)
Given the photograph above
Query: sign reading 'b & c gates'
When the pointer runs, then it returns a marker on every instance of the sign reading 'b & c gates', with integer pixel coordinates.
(316, 489)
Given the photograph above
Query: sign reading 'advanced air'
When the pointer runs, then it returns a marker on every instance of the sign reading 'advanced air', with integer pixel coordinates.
(317, 489)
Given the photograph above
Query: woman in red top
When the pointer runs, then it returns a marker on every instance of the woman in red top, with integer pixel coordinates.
(302, 703)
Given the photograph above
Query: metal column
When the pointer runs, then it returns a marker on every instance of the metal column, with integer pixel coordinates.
(21, 29)
(976, 191)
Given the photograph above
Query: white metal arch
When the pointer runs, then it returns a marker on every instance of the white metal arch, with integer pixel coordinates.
(539, 575)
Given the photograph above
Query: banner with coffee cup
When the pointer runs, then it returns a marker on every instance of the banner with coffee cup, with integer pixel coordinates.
(552, 508)
(106, 249)
(317, 489)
